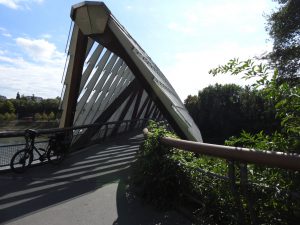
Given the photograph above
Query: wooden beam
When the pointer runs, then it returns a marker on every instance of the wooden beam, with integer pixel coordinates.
(73, 89)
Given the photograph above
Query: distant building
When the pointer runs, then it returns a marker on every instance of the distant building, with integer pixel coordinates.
(38, 99)
(34, 98)
(2, 97)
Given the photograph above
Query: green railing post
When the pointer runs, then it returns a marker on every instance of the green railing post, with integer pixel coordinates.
(245, 187)
(235, 192)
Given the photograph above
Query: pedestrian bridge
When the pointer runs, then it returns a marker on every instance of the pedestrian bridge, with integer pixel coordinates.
(89, 187)
(111, 89)
(110, 77)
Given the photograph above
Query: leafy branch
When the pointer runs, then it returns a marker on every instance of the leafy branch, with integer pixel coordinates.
(286, 97)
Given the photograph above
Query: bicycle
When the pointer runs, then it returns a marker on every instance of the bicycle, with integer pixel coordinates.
(55, 151)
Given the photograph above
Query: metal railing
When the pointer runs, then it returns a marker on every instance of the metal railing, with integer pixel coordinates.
(283, 160)
(237, 177)
(99, 131)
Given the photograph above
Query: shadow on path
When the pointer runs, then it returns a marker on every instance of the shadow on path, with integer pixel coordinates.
(132, 211)
(83, 189)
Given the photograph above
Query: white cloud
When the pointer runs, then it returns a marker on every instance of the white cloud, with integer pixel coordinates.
(40, 76)
(19, 4)
(39, 50)
(4, 32)
(9, 3)
(29, 78)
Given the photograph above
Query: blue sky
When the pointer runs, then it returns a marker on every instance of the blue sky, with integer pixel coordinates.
(184, 38)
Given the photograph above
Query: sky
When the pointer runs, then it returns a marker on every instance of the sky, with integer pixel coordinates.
(184, 38)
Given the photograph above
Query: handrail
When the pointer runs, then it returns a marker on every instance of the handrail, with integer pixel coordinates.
(269, 158)
(19, 133)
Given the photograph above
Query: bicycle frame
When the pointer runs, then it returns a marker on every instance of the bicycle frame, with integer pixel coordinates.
(30, 146)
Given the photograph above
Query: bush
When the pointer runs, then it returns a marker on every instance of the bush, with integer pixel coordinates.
(157, 175)
(168, 177)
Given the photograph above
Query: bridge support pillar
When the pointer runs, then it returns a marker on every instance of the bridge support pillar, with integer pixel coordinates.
(73, 77)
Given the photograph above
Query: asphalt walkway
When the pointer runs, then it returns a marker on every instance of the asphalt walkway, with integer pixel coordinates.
(89, 187)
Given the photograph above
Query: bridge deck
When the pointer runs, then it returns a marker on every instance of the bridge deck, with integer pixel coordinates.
(88, 188)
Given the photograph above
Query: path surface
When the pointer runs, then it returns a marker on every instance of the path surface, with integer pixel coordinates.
(88, 188)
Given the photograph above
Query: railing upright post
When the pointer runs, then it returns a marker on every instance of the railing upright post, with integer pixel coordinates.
(246, 192)
(235, 192)
(105, 132)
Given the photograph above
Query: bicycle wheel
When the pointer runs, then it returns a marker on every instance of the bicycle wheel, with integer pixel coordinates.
(55, 156)
(21, 160)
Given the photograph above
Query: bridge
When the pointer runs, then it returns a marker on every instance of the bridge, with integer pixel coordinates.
(111, 89)
(89, 187)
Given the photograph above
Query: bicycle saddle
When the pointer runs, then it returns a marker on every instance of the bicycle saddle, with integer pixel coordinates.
(31, 132)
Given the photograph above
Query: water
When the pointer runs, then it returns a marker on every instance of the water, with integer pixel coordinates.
(12, 141)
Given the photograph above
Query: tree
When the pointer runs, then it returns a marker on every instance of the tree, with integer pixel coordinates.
(44, 116)
(7, 116)
(191, 103)
(7, 106)
(287, 104)
(18, 96)
(37, 116)
(13, 116)
(221, 111)
(51, 116)
(284, 27)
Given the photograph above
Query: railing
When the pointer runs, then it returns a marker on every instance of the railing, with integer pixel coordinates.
(237, 176)
(267, 158)
(100, 132)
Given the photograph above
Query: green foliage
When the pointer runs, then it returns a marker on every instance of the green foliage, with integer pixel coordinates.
(284, 28)
(37, 116)
(247, 67)
(285, 96)
(28, 107)
(260, 141)
(51, 116)
(156, 173)
(8, 116)
(166, 177)
(44, 116)
(6, 106)
(221, 111)
(18, 96)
